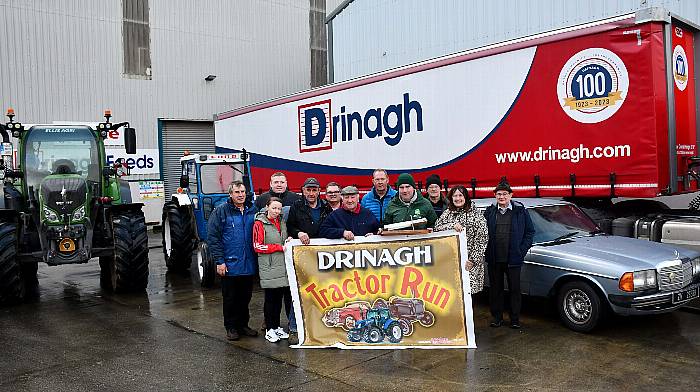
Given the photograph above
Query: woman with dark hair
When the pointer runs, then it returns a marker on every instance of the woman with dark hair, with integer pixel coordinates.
(462, 214)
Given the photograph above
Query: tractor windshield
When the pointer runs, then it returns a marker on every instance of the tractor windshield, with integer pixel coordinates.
(217, 177)
(60, 150)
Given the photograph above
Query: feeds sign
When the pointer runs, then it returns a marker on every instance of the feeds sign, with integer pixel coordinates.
(382, 292)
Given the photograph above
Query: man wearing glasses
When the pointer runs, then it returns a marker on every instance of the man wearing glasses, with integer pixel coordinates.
(510, 238)
(333, 195)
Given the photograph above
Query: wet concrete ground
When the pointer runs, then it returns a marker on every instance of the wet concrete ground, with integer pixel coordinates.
(76, 337)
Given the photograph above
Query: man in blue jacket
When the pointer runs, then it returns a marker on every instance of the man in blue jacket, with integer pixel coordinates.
(379, 197)
(510, 238)
(349, 221)
(230, 239)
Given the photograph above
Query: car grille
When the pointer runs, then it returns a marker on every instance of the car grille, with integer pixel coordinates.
(675, 277)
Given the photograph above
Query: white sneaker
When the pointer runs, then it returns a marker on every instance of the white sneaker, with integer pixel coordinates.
(280, 332)
(271, 336)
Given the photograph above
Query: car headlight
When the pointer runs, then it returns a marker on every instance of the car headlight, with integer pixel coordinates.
(79, 213)
(50, 215)
(638, 280)
(696, 266)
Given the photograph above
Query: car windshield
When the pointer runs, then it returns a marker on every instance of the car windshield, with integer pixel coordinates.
(558, 222)
(66, 150)
(217, 177)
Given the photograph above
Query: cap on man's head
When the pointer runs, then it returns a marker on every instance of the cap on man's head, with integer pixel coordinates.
(405, 179)
(349, 190)
(503, 186)
(433, 179)
(311, 182)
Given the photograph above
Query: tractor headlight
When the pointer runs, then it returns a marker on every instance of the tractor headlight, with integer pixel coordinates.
(50, 215)
(79, 213)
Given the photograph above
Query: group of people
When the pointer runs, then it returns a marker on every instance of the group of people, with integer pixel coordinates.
(247, 239)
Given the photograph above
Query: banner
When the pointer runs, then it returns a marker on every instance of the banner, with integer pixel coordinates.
(382, 292)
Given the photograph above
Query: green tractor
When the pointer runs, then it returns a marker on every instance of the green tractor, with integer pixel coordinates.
(62, 204)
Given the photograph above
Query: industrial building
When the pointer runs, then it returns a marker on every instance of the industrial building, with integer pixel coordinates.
(166, 66)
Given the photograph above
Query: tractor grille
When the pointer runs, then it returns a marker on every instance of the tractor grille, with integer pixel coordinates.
(76, 193)
(676, 276)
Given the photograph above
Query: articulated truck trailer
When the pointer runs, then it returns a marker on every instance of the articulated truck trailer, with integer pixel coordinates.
(592, 113)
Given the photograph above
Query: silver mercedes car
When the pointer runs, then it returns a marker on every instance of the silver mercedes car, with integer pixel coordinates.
(588, 272)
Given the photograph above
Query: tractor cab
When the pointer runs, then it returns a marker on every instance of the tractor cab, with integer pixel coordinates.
(204, 185)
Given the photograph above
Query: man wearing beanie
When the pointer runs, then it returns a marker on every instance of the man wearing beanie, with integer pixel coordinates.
(409, 204)
(510, 237)
(433, 187)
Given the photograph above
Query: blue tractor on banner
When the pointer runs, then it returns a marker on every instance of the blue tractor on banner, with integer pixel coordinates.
(203, 186)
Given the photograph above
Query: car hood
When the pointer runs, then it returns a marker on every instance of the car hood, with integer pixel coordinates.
(607, 254)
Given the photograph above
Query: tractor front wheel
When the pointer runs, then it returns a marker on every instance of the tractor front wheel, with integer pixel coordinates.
(127, 270)
(12, 286)
(178, 237)
(203, 269)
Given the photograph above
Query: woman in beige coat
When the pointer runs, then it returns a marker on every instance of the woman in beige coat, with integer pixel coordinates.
(462, 214)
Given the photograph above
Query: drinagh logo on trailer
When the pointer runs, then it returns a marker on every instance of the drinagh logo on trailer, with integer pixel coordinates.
(319, 130)
(592, 85)
(680, 67)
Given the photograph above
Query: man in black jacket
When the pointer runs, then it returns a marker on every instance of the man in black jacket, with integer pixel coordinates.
(278, 188)
(307, 214)
(510, 237)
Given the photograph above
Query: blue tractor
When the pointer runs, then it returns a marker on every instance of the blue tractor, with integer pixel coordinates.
(203, 186)
(375, 326)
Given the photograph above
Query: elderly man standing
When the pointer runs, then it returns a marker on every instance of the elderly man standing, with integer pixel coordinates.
(230, 240)
(379, 197)
(409, 204)
(278, 188)
(350, 220)
(510, 237)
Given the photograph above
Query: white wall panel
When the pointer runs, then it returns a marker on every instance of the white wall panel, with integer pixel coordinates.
(374, 35)
(62, 59)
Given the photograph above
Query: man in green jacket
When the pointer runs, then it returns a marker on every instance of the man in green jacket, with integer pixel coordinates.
(409, 204)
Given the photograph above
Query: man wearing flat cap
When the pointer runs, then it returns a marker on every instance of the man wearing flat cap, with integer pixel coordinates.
(351, 219)
(409, 204)
(510, 237)
(308, 213)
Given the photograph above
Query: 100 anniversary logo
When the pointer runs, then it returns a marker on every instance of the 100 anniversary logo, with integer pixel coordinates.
(592, 85)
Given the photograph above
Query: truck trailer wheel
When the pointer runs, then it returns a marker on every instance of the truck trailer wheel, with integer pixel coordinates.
(178, 237)
(203, 269)
(127, 270)
(12, 286)
(579, 306)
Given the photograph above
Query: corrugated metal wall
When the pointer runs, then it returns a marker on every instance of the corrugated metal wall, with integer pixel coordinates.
(374, 35)
(62, 59)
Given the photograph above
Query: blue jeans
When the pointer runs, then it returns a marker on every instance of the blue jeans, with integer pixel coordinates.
(292, 320)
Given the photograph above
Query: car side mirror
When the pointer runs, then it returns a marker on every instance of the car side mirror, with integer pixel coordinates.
(184, 181)
(130, 140)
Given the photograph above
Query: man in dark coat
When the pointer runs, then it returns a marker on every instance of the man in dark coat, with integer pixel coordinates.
(350, 220)
(510, 238)
(308, 213)
(230, 240)
(278, 188)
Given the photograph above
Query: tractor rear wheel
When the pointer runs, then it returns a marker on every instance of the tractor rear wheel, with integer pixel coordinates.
(178, 237)
(12, 286)
(127, 270)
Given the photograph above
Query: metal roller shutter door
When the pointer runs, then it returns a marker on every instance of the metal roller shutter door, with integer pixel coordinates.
(178, 136)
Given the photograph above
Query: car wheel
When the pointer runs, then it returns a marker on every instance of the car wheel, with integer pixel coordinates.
(374, 335)
(579, 306)
(354, 335)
